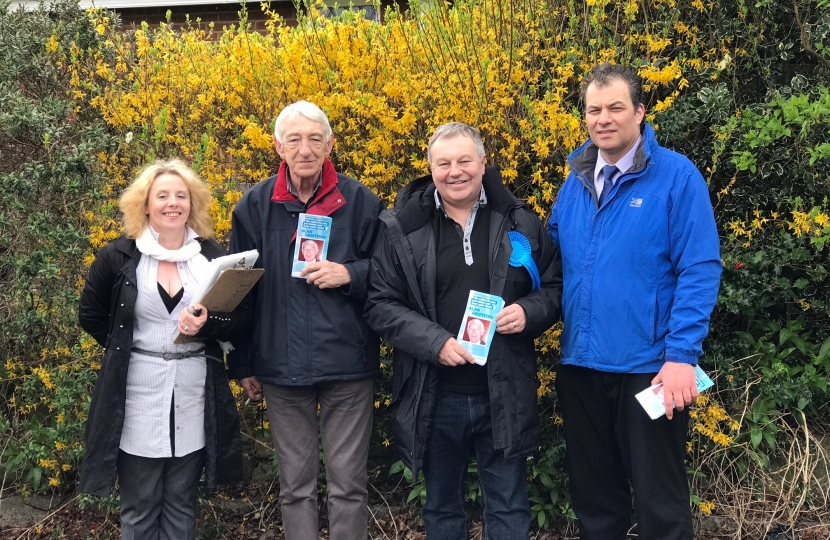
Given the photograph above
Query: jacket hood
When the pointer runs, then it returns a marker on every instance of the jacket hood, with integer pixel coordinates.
(415, 202)
(584, 159)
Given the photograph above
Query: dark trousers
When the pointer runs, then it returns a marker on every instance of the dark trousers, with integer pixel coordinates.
(462, 423)
(158, 496)
(614, 447)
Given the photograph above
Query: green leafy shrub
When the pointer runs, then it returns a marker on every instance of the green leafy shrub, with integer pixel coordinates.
(49, 138)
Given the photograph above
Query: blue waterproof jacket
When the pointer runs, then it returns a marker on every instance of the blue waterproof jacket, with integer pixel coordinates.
(641, 271)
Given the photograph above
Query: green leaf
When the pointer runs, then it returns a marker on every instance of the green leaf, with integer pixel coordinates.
(799, 342)
(824, 351)
(784, 335)
(770, 440)
(785, 353)
(755, 436)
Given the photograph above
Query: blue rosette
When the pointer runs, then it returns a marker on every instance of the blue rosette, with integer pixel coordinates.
(521, 256)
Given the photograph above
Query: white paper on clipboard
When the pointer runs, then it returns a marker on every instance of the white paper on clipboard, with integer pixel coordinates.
(218, 265)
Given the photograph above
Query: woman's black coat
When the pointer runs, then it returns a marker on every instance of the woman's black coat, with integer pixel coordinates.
(106, 312)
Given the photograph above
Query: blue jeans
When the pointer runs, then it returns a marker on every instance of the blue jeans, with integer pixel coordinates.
(462, 423)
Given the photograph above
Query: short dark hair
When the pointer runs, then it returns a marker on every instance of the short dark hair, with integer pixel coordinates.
(605, 73)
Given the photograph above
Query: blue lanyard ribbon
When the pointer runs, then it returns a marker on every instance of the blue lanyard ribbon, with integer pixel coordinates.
(521, 256)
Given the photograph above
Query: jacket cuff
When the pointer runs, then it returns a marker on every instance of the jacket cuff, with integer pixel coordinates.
(681, 358)
(237, 373)
(437, 345)
(238, 366)
(357, 282)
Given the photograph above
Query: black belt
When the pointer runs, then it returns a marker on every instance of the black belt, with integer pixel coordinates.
(171, 355)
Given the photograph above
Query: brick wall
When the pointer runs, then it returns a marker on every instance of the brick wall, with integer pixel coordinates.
(220, 14)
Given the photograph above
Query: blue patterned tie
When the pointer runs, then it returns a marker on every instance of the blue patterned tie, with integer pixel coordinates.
(608, 173)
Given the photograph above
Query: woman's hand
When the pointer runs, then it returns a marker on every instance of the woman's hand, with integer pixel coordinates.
(190, 324)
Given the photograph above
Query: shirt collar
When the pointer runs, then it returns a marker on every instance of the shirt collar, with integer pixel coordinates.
(482, 201)
(624, 163)
(293, 191)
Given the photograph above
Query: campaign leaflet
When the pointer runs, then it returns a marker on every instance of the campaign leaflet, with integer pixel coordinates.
(479, 324)
(652, 397)
(312, 245)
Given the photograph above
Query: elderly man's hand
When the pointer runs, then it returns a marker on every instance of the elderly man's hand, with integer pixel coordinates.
(679, 386)
(453, 354)
(252, 387)
(326, 274)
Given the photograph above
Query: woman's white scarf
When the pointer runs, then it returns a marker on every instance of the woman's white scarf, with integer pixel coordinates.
(190, 253)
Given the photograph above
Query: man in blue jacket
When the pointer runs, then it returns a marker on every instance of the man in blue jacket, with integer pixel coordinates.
(641, 263)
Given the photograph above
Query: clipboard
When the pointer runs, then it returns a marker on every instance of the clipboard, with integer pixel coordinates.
(227, 291)
(225, 294)
(231, 287)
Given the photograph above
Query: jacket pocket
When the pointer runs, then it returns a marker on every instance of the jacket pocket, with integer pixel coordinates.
(361, 332)
(401, 373)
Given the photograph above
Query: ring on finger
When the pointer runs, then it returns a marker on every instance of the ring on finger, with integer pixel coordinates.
(185, 328)
(514, 324)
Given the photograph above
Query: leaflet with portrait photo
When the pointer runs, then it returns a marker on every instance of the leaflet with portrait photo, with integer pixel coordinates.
(652, 397)
(312, 243)
(479, 324)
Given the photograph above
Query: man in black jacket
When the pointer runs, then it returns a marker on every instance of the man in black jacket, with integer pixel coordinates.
(310, 346)
(447, 236)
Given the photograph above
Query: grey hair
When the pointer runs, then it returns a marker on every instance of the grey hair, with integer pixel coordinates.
(605, 74)
(456, 129)
(301, 108)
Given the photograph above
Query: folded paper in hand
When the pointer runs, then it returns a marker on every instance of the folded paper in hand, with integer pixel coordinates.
(652, 397)
(227, 282)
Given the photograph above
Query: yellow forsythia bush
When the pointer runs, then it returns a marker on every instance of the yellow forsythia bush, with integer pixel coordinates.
(510, 67)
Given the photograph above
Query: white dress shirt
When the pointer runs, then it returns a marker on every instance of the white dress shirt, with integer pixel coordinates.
(623, 165)
(152, 381)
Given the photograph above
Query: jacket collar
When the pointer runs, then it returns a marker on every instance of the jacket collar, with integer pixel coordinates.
(325, 201)
(127, 246)
(584, 159)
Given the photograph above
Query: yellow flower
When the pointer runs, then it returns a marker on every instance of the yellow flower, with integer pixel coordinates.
(706, 507)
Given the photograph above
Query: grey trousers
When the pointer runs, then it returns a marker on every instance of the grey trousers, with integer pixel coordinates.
(158, 496)
(345, 427)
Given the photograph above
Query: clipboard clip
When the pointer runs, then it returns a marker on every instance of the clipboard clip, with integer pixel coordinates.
(240, 265)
